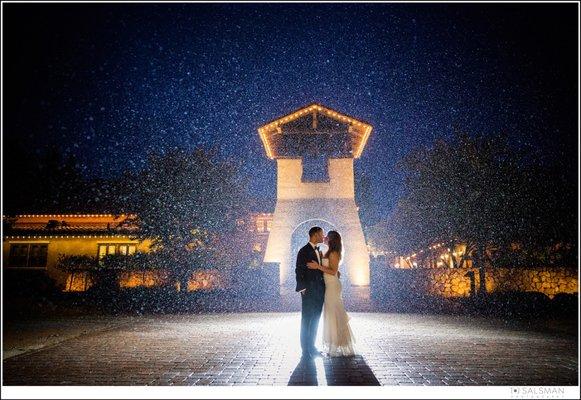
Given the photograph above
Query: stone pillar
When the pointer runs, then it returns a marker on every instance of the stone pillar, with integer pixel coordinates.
(333, 202)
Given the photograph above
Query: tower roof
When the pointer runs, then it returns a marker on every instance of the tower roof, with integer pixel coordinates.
(314, 128)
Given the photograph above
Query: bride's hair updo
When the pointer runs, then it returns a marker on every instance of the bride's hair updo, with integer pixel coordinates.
(334, 243)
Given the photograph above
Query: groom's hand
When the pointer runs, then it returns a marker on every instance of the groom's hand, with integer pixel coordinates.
(303, 291)
(312, 265)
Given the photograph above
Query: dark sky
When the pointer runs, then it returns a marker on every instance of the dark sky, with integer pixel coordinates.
(109, 82)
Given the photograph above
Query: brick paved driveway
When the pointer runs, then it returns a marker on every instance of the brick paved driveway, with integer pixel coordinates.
(263, 349)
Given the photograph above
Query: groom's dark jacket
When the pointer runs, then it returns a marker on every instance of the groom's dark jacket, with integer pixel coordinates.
(310, 279)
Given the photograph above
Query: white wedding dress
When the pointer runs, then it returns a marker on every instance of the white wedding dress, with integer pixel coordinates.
(338, 339)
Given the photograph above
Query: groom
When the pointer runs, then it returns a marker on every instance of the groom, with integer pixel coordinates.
(311, 286)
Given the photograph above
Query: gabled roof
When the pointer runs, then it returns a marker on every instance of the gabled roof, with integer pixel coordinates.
(358, 130)
(69, 224)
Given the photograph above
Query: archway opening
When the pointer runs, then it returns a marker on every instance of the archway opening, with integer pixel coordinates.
(299, 238)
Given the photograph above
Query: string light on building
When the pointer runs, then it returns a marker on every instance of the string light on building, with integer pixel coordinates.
(459, 251)
(361, 131)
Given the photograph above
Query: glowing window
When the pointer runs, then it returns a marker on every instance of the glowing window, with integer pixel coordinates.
(260, 225)
(115, 248)
(102, 251)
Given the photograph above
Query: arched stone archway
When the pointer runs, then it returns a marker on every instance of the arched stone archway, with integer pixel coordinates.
(341, 214)
(299, 238)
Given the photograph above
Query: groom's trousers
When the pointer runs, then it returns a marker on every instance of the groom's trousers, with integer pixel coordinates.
(312, 306)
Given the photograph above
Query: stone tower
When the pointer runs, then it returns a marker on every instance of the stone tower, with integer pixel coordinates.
(314, 148)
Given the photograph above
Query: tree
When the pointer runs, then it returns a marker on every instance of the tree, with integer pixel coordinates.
(548, 233)
(365, 200)
(507, 205)
(470, 189)
(187, 204)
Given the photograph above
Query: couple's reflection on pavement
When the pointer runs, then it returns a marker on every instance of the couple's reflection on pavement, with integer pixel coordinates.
(335, 371)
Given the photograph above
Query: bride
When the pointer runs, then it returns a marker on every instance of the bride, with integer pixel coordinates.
(338, 337)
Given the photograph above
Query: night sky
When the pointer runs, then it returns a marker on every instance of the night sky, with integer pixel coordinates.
(110, 82)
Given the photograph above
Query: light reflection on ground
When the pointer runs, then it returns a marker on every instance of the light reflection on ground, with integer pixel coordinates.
(264, 349)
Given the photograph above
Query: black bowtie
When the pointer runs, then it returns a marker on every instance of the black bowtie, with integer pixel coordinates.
(317, 248)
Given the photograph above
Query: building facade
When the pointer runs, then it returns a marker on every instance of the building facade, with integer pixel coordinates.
(33, 243)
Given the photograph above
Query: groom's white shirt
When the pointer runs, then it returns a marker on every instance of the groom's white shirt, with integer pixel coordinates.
(318, 258)
(314, 248)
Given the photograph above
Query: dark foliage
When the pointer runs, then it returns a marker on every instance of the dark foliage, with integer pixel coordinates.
(187, 204)
(481, 191)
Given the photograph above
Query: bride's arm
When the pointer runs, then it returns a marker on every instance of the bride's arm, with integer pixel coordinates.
(333, 264)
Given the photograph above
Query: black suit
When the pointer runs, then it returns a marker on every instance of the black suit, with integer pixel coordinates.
(312, 299)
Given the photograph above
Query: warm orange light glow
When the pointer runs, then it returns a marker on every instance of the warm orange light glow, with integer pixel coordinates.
(78, 282)
(360, 278)
(265, 143)
(275, 125)
(142, 279)
(70, 215)
(64, 236)
(205, 280)
(363, 142)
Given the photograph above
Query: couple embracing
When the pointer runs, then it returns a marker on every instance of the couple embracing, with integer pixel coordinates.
(318, 283)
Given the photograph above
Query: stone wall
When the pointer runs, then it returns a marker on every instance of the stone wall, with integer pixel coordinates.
(449, 283)
(445, 282)
(549, 281)
(454, 282)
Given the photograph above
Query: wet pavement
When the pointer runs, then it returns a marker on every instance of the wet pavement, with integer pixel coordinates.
(263, 349)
